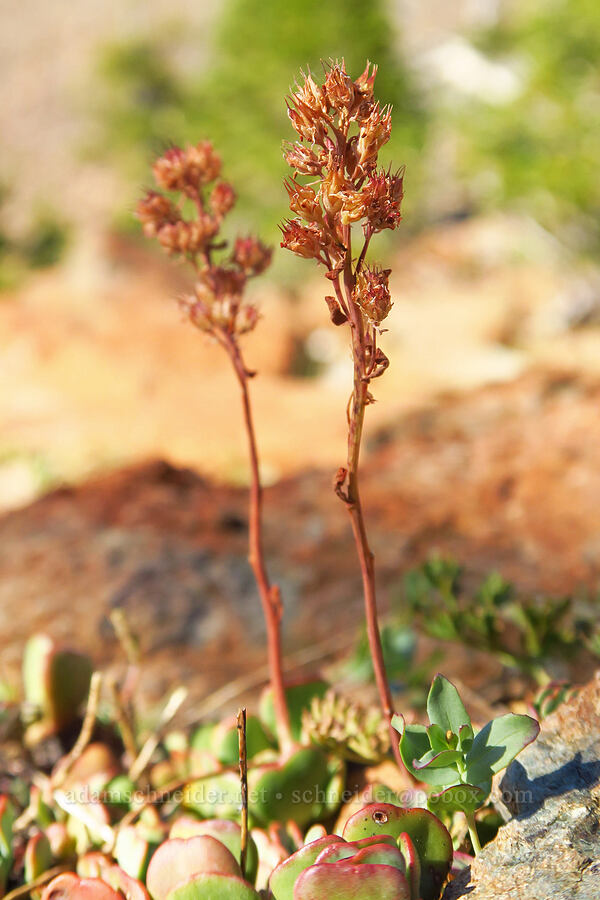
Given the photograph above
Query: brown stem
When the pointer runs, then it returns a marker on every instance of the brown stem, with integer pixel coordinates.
(356, 415)
(269, 594)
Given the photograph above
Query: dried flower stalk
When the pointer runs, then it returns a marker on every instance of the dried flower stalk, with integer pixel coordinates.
(218, 308)
(341, 128)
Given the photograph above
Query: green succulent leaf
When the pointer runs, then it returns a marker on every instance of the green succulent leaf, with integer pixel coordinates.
(444, 706)
(458, 798)
(209, 886)
(437, 737)
(438, 759)
(415, 746)
(497, 744)
(7, 818)
(344, 880)
(284, 876)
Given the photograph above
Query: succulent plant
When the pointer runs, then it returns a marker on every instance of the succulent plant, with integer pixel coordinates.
(196, 868)
(299, 697)
(7, 818)
(56, 681)
(385, 852)
(301, 787)
(448, 754)
(227, 832)
(353, 732)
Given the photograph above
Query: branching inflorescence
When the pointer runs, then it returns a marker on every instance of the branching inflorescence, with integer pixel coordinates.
(342, 129)
(218, 308)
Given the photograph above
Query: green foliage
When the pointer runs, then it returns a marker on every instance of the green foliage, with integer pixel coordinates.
(523, 632)
(425, 842)
(56, 682)
(237, 100)
(406, 855)
(448, 753)
(540, 151)
(42, 245)
(404, 671)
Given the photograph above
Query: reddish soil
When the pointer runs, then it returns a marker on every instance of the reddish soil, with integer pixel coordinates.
(504, 477)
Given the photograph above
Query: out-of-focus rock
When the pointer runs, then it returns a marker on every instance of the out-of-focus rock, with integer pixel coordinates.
(550, 850)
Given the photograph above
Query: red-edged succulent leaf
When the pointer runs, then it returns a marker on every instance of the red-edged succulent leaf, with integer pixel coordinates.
(227, 832)
(381, 854)
(431, 839)
(335, 852)
(132, 851)
(69, 886)
(129, 887)
(284, 876)
(211, 886)
(344, 881)
(177, 860)
(92, 864)
(7, 817)
(412, 862)
(38, 856)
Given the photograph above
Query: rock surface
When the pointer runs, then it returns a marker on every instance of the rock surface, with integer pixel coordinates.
(504, 477)
(550, 850)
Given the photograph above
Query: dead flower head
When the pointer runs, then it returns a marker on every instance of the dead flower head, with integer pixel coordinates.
(217, 305)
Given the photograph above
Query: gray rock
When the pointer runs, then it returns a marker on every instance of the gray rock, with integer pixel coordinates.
(550, 848)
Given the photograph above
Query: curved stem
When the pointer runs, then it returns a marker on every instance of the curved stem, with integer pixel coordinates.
(472, 826)
(269, 594)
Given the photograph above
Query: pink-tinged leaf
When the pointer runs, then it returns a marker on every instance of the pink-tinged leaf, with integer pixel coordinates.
(38, 856)
(92, 864)
(413, 863)
(284, 876)
(344, 881)
(381, 855)
(227, 832)
(336, 852)
(129, 887)
(69, 886)
(375, 839)
(177, 860)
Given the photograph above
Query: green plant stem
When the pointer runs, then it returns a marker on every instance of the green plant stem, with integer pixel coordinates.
(472, 826)
(243, 758)
(269, 594)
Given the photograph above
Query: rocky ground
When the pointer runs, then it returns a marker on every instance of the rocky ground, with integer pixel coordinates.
(504, 477)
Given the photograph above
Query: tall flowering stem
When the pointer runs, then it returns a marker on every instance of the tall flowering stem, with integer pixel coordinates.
(337, 187)
(188, 180)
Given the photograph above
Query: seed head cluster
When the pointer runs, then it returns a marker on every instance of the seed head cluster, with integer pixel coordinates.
(341, 129)
(188, 179)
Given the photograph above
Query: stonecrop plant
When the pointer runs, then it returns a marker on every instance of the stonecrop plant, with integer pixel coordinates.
(189, 179)
(341, 199)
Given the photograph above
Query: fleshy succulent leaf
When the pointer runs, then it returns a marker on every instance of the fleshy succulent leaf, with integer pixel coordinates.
(69, 886)
(344, 880)
(210, 885)
(299, 697)
(38, 856)
(497, 744)
(284, 876)
(437, 759)
(177, 860)
(460, 797)
(444, 706)
(7, 818)
(411, 862)
(227, 832)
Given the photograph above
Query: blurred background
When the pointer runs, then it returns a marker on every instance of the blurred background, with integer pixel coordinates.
(484, 438)
(496, 116)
